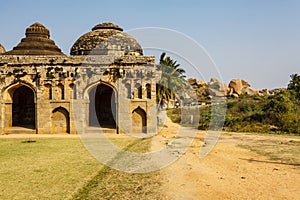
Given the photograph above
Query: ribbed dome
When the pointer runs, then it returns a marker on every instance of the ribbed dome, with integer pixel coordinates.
(37, 30)
(2, 49)
(36, 42)
(106, 39)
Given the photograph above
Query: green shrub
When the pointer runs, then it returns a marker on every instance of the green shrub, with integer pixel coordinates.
(245, 108)
(283, 111)
(230, 104)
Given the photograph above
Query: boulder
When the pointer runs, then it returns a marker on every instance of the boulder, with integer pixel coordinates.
(264, 92)
(250, 91)
(214, 80)
(237, 85)
(230, 91)
(235, 95)
(218, 93)
(245, 83)
(192, 81)
(201, 82)
(226, 88)
(217, 88)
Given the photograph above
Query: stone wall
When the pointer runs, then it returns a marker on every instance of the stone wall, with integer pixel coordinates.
(61, 84)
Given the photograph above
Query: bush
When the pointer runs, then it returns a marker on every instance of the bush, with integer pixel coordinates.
(230, 104)
(245, 108)
(174, 114)
(204, 121)
(283, 111)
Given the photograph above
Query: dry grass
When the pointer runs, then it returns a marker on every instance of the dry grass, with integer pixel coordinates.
(44, 169)
(287, 152)
(113, 184)
(61, 168)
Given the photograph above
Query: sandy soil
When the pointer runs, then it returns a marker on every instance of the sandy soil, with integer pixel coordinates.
(228, 172)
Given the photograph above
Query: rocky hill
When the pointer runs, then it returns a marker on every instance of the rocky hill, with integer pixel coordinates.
(235, 88)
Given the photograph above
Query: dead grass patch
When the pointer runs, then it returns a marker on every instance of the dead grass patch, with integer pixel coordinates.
(285, 151)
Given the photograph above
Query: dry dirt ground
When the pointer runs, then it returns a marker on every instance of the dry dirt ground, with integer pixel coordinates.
(228, 172)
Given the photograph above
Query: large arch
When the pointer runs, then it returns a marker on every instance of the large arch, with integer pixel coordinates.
(139, 120)
(60, 121)
(23, 106)
(9, 90)
(102, 106)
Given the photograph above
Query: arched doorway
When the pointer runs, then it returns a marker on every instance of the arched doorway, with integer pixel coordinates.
(60, 121)
(139, 121)
(23, 108)
(102, 107)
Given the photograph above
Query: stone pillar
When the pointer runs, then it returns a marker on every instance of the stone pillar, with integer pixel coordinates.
(123, 111)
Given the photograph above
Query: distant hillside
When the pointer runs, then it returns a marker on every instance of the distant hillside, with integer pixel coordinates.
(235, 88)
(277, 113)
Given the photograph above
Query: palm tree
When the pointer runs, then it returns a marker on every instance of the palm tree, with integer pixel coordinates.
(172, 79)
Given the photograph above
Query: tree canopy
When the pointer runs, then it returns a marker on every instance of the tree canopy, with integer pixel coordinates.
(294, 84)
(172, 78)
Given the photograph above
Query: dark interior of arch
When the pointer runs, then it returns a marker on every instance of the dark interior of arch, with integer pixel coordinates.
(23, 108)
(102, 107)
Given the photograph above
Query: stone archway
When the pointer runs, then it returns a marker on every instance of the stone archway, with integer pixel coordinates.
(60, 121)
(23, 107)
(102, 106)
(139, 121)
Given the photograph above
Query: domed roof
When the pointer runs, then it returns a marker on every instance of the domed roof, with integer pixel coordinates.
(106, 39)
(36, 42)
(2, 49)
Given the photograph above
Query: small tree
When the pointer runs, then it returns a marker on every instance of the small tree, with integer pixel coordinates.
(283, 109)
(294, 84)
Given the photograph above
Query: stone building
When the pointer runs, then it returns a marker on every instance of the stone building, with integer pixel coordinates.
(106, 83)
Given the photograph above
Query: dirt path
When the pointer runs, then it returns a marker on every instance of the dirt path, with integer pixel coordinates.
(228, 172)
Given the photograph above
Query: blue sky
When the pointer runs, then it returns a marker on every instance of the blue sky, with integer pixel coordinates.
(255, 40)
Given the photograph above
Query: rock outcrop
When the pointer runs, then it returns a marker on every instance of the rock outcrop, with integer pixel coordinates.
(250, 91)
(237, 85)
(192, 81)
(200, 88)
(215, 87)
(264, 92)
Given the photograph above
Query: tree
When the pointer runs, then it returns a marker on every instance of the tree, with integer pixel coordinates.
(172, 79)
(283, 109)
(294, 84)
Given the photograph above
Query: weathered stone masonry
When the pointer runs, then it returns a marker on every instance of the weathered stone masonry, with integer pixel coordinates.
(105, 82)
